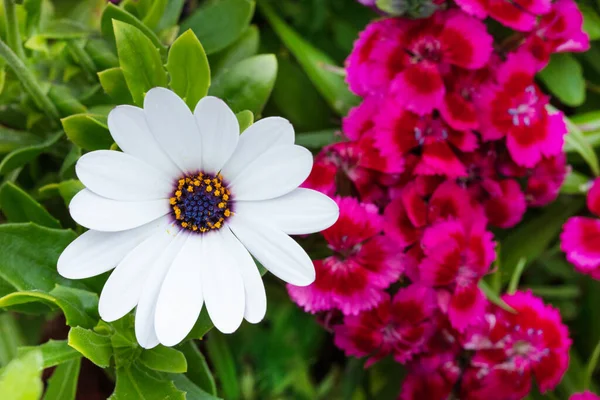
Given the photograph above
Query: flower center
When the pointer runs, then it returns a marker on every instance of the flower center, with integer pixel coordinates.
(428, 49)
(525, 111)
(430, 130)
(200, 202)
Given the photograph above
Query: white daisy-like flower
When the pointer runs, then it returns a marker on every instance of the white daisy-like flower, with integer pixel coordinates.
(179, 211)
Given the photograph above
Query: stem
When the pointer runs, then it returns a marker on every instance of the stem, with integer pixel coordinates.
(13, 36)
(29, 82)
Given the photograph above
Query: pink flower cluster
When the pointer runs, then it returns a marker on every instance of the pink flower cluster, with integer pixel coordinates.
(453, 135)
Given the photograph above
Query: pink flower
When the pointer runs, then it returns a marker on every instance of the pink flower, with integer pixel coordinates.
(512, 348)
(561, 30)
(516, 108)
(399, 327)
(545, 180)
(518, 14)
(437, 385)
(363, 265)
(456, 258)
(322, 176)
(361, 119)
(399, 132)
(587, 395)
(504, 202)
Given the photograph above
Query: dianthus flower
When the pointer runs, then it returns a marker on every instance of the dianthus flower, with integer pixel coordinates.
(398, 326)
(510, 349)
(520, 15)
(545, 179)
(364, 263)
(580, 238)
(587, 395)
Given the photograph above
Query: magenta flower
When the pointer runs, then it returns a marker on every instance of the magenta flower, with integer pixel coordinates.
(456, 258)
(364, 263)
(587, 395)
(580, 238)
(545, 180)
(400, 327)
(514, 107)
(519, 15)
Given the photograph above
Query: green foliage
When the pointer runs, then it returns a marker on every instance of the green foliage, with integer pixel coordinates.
(88, 131)
(563, 76)
(22, 377)
(63, 383)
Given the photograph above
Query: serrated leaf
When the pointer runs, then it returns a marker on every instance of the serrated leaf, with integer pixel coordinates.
(88, 131)
(22, 377)
(62, 385)
(248, 84)
(164, 359)
(19, 206)
(23, 155)
(219, 23)
(563, 76)
(188, 67)
(95, 347)
(54, 352)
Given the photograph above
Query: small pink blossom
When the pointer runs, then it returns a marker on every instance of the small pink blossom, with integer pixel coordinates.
(519, 15)
(587, 395)
(545, 180)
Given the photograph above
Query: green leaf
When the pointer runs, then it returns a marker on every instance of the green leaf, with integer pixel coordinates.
(11, 139)
(576, 141)
(11, 338)
(88, 131)
(155, 13)
(202, 326)
(314, 62)
(247, 85)
(494, 298)
(591, 366)
(22, 377)
(591, 21)
(113, 13)
(23, 155)
(587, 122)
(171, 15)
(64, 29)
(63, 383)
(114, 84)
(224, 365)
(192, 392)
(528, 240)
(101, 54)
(219, 23)
(198, 370)
(79, 306)
(25, 269)
(575, 183)
(563, 76)
(135, 382)
(245, 119)
(140, 61)
(164, 359)
(18, 206)
(188, 68)
(54, 352)
(516, 276)
(246, 46)
(95, 347)
(66, 103)
(68, 189)
(316, 140)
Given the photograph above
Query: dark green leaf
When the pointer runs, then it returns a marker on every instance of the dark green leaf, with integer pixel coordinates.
(66, 103)
(135, 382)
(188, 68)
(18, 206)
(315, 63)
(11, 139)
(192, 392)
(245, 119)
(101, 54)
(563, 76)
(164, 359)
(516, 277)
(11, 338)
(95, 347)
(494, 298)
(222, 360)
(113, 13)
(316, 140)
(198, 371)
(219, 23)
(22, 377)
(202, 326)
(23, 155)
(575, 183)
(54, 352)
(248, 84)
(113, 83)
(591, 21)
(246, 46)
(63, 383)
(88, 131)
(140, 61)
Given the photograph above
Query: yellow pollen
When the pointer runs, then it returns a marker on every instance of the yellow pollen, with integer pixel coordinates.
(178, 194)
(173, 201)
(225, 197)
(209, 188)
(222, 205)
(227, 213)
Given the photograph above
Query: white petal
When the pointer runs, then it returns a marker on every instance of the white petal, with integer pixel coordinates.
(107, 215)
(122, 290)
(257, 139)
(180, 300)
(94, 253)
(130, 130)
(276, 172)
(275, 250)
(174, 128)
(299, 212)
(222, 284)
(120, 176)
(219, 130)
(254, 288)
(144, 314)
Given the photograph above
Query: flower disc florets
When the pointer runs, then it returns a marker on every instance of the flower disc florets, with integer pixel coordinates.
(201, 202)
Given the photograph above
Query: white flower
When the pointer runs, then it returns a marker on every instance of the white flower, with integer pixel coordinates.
(177, 209)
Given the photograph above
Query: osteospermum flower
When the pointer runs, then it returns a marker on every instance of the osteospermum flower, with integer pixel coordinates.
(179, 211)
